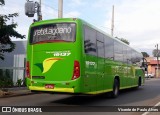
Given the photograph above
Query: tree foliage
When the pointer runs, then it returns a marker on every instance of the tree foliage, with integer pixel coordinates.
(156, 53)
(7, 31)
(2, 2)
(123, 40)
(145, 54)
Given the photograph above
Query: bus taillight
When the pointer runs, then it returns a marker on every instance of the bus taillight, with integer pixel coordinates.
(76, 71)
(27, 69)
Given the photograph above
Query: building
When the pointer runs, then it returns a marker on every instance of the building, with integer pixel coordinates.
(14, 62)
(152, 66)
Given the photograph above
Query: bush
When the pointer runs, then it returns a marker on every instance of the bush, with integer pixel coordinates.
(5, 79)
(19, 82)
(5, 82)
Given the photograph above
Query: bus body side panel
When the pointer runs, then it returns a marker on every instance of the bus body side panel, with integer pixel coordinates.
(90, 78)
(109, 74)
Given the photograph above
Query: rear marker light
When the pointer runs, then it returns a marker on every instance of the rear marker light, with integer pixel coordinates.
(76, 70)
(28, 69)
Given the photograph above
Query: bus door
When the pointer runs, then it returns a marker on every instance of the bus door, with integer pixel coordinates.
(100, 65)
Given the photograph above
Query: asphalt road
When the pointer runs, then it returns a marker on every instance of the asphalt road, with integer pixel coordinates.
(147, 95)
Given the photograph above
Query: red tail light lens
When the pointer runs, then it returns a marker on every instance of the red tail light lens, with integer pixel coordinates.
(28, 69)
(76, 71)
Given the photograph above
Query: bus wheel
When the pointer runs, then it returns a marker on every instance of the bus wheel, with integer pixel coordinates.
(115, 91)
(139, 81)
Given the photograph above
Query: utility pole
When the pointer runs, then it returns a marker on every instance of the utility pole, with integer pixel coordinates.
(40, 3)
(60, 8)
(112, 24)
(39, 13)
(157, 61)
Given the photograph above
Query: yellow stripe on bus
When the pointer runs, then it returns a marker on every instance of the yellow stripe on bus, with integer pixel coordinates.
(99, 92)
(68, 90)
(128, 87)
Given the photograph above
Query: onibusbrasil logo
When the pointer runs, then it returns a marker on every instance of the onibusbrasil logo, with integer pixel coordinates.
(47, 64)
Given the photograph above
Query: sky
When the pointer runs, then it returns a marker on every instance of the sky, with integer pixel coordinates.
(138, 21)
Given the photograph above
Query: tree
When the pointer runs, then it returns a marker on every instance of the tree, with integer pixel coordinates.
(123, 40)
(2, 2)
(154, 52)
(145, 54)
(6, 32)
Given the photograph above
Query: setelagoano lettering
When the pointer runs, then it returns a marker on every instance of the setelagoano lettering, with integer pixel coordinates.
(50, 31)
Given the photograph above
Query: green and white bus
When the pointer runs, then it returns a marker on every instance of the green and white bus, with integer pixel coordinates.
(71, 56)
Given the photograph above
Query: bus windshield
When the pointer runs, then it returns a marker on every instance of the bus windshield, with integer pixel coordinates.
(53, 32)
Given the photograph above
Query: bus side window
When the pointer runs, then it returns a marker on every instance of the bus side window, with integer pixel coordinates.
(125, 54)
(90, 41)
(109, 47)
(129, 54)
(118, 52)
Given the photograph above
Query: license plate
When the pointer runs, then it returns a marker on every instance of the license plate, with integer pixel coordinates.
(49, 86)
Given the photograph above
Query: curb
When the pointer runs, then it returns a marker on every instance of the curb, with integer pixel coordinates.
(15, 93)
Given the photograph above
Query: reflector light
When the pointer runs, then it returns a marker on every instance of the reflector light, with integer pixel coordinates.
(76, 70)
(28, 69)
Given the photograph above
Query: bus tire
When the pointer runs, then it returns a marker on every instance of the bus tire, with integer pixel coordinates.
(115, 91)
(139, 82)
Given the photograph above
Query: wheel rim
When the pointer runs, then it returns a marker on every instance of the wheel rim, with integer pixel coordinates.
(116, 90)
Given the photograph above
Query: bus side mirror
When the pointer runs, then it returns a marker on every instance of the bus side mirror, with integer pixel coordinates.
(144, 66)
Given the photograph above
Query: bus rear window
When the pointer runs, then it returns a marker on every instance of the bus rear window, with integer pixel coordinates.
(53, 33)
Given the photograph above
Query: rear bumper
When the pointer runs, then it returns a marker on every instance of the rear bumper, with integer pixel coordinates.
(61, 90)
